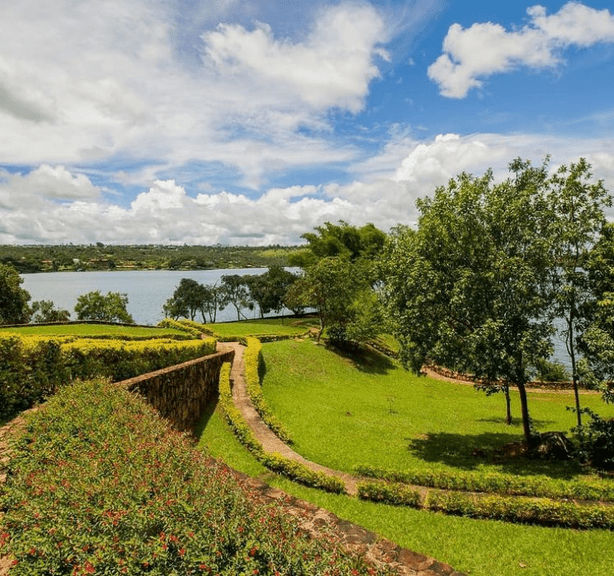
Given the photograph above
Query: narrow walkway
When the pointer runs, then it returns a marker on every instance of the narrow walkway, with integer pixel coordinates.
(270, 442)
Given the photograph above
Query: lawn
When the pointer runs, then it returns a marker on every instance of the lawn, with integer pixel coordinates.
(85, 330)
(264, 327)
(344, 412)
(476, 547)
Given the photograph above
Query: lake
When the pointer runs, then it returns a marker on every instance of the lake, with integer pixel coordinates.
(147, 290)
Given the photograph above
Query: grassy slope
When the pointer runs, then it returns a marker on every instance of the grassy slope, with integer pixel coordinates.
(477, 547)
(375, 413)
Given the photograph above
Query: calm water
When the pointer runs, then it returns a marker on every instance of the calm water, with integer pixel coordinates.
(147, 290)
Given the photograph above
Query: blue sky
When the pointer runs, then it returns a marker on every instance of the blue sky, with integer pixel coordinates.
(251, 122)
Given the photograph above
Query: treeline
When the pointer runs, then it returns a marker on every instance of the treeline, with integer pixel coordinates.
(99, 256)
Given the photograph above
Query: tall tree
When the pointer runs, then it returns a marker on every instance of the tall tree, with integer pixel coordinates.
(234, 290)
(13, 298)
(111, 307)
(578, 205)
(597, 342)
(268, 289)
(188, 298)
(471, 288)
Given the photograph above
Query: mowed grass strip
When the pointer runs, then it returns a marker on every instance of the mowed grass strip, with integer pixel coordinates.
(346, 412)
(476, 547)
(263, 327)
(87, 329)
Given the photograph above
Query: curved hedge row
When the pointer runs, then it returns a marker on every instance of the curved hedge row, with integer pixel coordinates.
(493, 482)
(517, 509)
(253, 359)
(275, 462)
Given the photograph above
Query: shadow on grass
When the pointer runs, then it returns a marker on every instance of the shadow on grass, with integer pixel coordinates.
(205, 417)
(468, 452)
(517, 422)
(365, 360)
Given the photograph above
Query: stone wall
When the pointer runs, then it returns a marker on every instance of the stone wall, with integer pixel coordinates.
(180, 392)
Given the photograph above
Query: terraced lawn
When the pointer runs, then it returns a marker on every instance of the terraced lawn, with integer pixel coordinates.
(344, 412)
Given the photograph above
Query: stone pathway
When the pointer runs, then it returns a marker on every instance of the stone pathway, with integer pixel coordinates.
(270, 442)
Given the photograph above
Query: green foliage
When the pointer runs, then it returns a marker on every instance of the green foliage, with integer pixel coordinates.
(234, 290)
(268, 289)
(547, 371)
(45, 311)
(471, 289)
(13, 299)
(98, 483)
(253, 360)
(492, 482)
(32, 368)
(191, 297)
(46, 258)
(519, 509)
(596, 440)
(110, 308)
(274, 462)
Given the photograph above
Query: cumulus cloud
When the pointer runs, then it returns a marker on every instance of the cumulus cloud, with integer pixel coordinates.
(83, 83)
(332, 67)
(485, 49)
(32, 210)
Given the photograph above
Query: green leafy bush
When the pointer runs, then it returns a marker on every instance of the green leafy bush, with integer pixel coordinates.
(99, 484)
(33, 367)
(274, 462)
(596, 440)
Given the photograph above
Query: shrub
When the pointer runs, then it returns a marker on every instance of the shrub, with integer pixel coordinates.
(253, 360)
(517, 509)
(99, 484)
(596, 441)
(493, 482)
(33, 367)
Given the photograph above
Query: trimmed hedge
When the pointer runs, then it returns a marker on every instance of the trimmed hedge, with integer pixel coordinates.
(504, 484)
(253, 359)
(33, 367)
(99, 484)
(275, 462)
(181, 325)
(517, 509)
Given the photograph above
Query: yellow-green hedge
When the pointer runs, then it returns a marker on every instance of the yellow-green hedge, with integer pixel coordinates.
(34, 367)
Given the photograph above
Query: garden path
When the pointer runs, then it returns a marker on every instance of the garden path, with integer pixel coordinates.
(270, 442)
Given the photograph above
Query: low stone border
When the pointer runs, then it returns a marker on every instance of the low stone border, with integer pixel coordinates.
(354, 538)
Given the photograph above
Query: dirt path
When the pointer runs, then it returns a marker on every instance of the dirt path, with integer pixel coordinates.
(270, 442)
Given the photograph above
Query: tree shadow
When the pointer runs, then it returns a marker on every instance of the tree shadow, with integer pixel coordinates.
(205, 417)
(467, 452)
(517, 422)
(365, 360)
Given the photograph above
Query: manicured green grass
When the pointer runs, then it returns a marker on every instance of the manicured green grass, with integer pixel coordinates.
(85, 330)
(477, 547)
(345, 412)
(266, 326)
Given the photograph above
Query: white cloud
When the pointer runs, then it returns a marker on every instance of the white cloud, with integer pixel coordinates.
(83, 82)
(384, 192)
(332, 67)
(485, 49)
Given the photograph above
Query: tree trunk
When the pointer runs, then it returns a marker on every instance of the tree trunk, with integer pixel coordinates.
(574, 374)
(526, 420)
(508, 406)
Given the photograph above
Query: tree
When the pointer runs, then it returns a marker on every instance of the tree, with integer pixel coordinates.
(471, 288)
(578, 206)
(597, 342)
(191, 297)
(234, 290)
(13, 298)
(45, 311)
(109, 308)
(268, 289)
